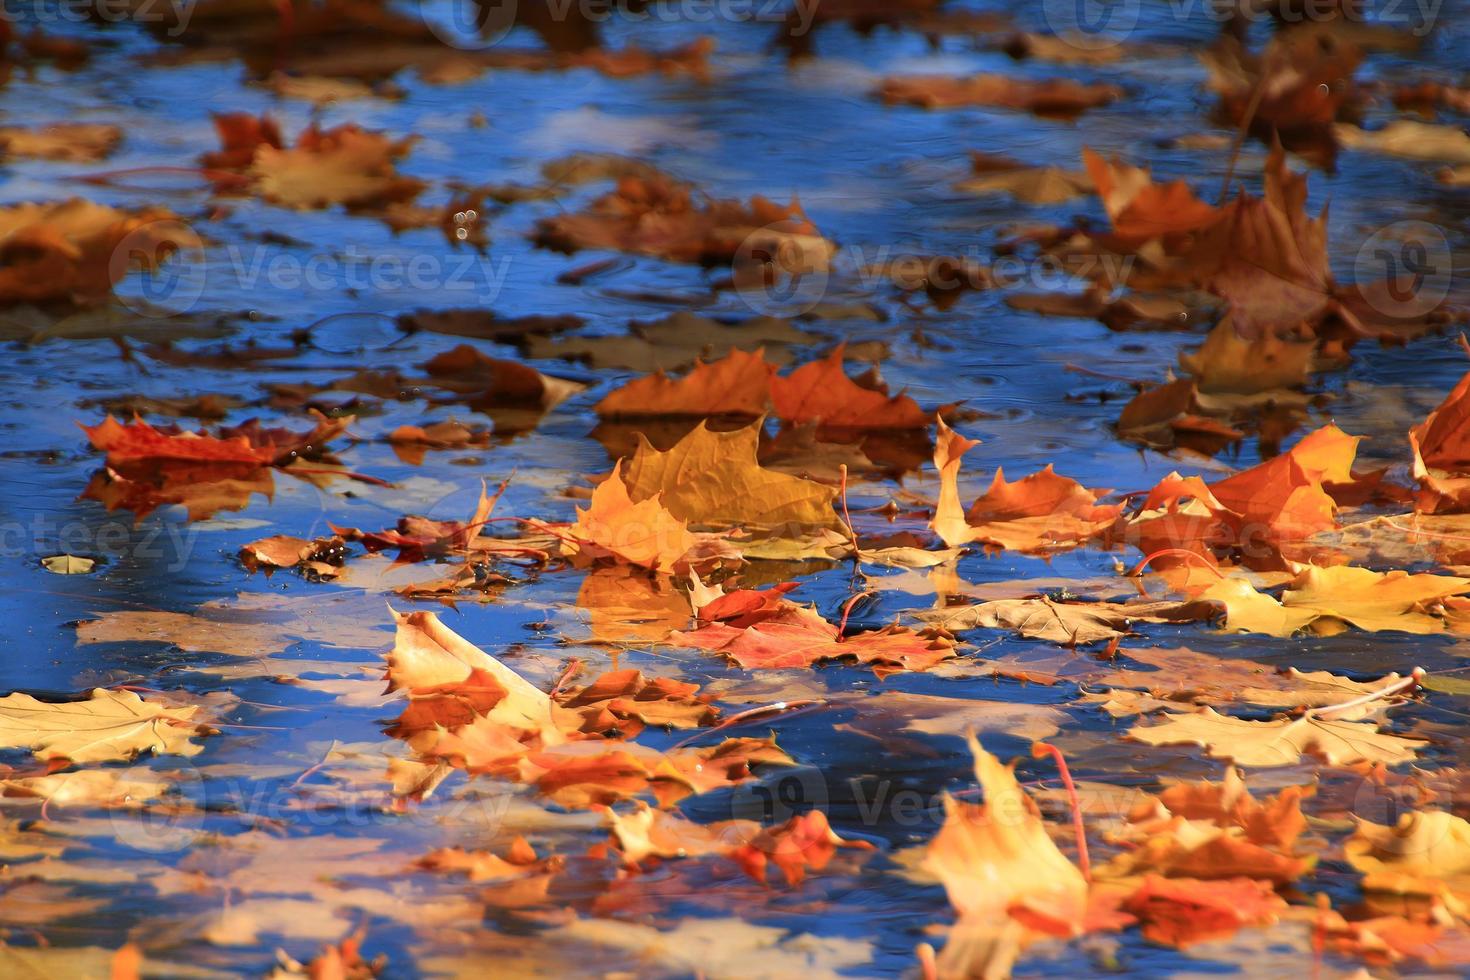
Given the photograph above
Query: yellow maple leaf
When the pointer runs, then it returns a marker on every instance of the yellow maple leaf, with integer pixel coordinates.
(713, 479)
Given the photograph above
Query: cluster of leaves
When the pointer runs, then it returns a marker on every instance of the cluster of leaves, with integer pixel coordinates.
(673, 541)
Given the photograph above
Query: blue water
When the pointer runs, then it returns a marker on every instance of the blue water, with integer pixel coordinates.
(875, 179)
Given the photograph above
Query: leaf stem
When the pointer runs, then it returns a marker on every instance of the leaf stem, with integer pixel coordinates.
(1039, 749)
(776, 708)
(1414, 680)
(1181, 552)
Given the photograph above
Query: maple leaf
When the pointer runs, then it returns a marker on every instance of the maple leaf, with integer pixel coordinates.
(1034, 185)
(1140, 209)
(1066, 623)
(90, 787)
(1269, 259)
(520, 861)
(1185, 675)
(1172, 415)
(493, 384)
(1002, 873)
(1263, 255)
(805, 841)
(1053, 97)
(658, 216)
(713, 479)
(801, 843)
(1327, 599)
(73, 142)
(1293, 90)
(1277, 822)
(647, 833)
(430, 657)
(410, 441)
(1213, 831)
(240, 134)
(744, 384)
(1280, 501)
(1388, 939)
(66, 252)
(775, 632)
(1442, 453)
(470, 711)
(338, 961)
(1278, 743)
(108, 726)
(1182, 911)
(736, 384)
(1041, 512)
(344, 165)
(417, 538)
(598, 772)
(821, 392)
(248, 443)
(323, 557)
(642, 534)
(1230, 363)
(626, 701)
(1423, 848)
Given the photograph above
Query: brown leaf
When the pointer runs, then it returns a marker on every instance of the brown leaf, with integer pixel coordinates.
(1053, 97)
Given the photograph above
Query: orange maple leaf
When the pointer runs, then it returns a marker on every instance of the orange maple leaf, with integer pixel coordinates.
(1040, 512)
(821, 392)
(736, 384)
(643, 534)
(1441, 445)
(1141, 209)
(805, 841)
(779, 633)
(1181, 911)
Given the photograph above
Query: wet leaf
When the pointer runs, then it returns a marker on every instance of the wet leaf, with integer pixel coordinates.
(1040, 512)
(72, 142)
(1281, 742)
(1054, 97)
(776, 632)
(1066, 623)
(68, 564)
(1326, 600)
(713, 479)
(660, 217)
(108, 726)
